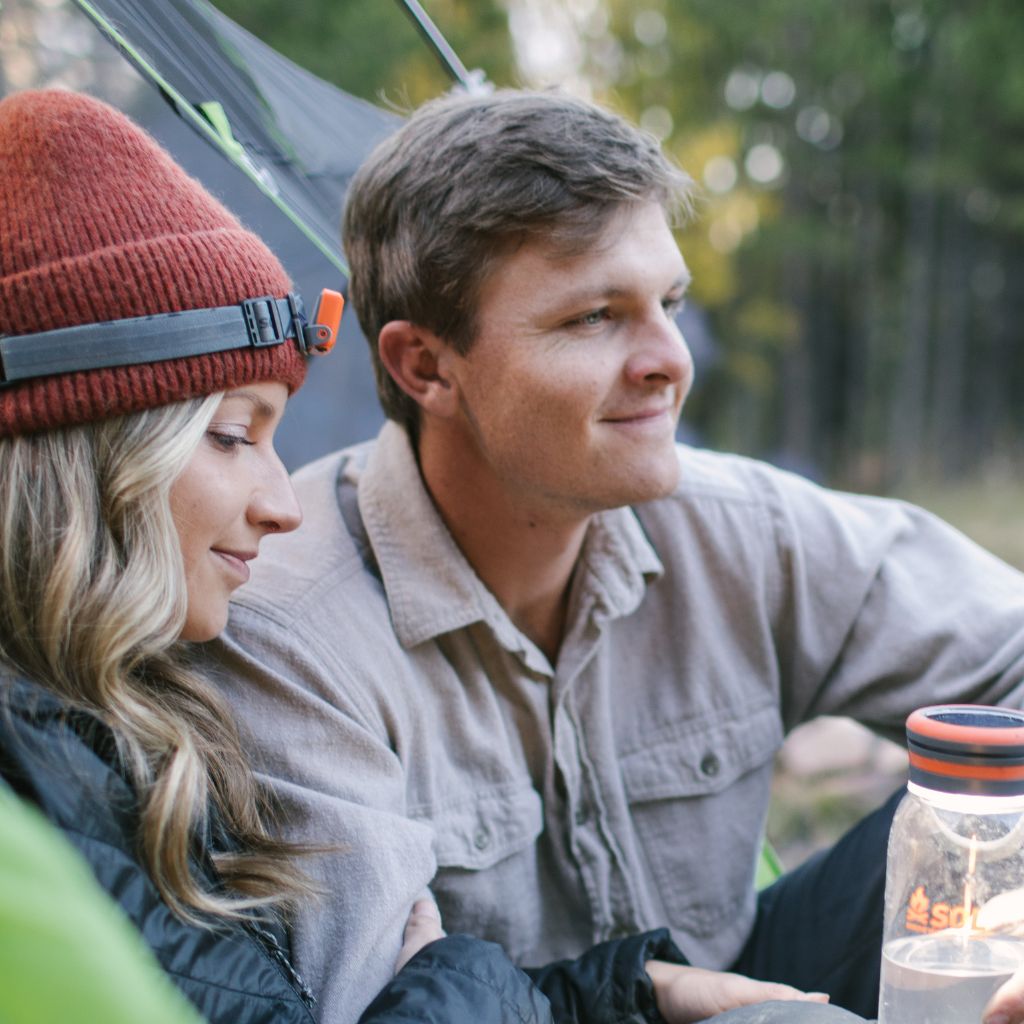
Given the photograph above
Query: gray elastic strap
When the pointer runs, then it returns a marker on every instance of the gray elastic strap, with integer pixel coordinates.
(256, 323)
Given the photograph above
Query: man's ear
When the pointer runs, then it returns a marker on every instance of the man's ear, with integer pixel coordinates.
(419, 363)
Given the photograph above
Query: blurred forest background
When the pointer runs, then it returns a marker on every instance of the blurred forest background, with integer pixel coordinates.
(859, 244)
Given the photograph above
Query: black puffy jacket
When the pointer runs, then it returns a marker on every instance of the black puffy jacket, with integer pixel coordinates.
(65, 761)
(462, 980)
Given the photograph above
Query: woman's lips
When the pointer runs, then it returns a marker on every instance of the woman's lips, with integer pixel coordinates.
(237, 562)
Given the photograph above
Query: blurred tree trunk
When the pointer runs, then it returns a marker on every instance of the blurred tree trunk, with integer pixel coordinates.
(908, 398)
(952, 329)
(796, 384)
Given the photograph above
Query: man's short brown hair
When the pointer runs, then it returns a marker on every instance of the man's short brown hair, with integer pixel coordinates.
(467, 179)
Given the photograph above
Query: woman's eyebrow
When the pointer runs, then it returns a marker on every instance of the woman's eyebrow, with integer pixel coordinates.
(261, 406)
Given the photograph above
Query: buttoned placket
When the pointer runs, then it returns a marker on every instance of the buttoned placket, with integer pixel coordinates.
(599, 859)
(610, 581)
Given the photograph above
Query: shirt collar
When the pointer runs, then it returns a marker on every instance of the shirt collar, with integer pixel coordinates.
(432, 589)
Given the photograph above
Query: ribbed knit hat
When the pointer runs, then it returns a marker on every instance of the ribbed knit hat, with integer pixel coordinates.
(97, 222)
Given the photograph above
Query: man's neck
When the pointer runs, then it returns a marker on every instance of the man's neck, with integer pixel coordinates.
(525, 556)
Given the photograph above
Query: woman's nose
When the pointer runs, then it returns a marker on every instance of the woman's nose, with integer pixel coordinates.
(274, 505)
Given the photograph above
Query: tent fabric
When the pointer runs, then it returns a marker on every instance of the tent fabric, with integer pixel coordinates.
(302, 138)
(67, 952)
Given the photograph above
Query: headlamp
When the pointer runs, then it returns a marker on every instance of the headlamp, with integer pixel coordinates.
(254, 323)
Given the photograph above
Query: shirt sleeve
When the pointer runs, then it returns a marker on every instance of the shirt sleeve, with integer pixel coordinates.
(340, 788)
(879, 607)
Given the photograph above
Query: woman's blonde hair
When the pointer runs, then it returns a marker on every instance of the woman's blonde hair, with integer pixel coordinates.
(92, 602)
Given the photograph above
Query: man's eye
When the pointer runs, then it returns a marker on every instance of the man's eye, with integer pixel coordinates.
(673, 307)
(591, 319)
(229, 442)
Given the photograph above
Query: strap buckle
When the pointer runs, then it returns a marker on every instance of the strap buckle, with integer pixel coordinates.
(263, 322)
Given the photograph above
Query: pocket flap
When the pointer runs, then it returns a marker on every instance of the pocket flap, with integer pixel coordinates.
(479, 833)
(696, 758)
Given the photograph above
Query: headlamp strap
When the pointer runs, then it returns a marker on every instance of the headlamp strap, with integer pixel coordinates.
(255, 323)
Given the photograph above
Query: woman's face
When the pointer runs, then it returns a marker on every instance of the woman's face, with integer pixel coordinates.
(234, 490)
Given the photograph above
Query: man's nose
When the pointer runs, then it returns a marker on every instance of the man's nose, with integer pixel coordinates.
(661, 352)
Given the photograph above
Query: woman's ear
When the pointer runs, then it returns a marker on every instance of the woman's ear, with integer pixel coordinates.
(419, 363)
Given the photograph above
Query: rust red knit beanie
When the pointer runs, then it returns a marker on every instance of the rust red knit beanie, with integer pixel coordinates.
(97, 222)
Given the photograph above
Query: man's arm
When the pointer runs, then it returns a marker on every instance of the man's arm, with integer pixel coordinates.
(882, 607)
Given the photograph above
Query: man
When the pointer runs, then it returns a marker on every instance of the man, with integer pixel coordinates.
(532, 654)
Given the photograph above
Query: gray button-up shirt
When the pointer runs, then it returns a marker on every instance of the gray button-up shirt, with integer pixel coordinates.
(397, 710)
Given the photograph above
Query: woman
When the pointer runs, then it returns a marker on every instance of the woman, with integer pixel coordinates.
(134, 487)
(148, 345)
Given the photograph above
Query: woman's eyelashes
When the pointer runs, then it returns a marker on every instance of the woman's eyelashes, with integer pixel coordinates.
(228, 442)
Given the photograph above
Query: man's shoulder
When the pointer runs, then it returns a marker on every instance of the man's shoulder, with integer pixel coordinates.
(730, 501)
(719, 493)
(304, 567)
(725, 477)
(740, 479)
(316, 483)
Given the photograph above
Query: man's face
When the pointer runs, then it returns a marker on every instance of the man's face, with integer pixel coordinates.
(569, 396)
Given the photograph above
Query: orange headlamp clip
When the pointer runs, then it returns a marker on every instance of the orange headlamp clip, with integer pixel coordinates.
(322, 331)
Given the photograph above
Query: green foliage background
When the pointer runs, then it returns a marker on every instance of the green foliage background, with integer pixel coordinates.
(372, 49)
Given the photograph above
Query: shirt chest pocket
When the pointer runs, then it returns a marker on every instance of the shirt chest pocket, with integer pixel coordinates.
(488, 828)
(486, 849)
(697, 800)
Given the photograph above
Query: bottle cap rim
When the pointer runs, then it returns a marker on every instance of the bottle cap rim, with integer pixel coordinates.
(967, 747)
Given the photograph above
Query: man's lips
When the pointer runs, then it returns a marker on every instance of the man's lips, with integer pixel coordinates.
(642, 415)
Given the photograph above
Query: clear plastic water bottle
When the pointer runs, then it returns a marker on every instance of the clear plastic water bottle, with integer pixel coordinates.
(954, 891)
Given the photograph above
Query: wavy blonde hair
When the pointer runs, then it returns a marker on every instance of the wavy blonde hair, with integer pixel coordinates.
(92, 603)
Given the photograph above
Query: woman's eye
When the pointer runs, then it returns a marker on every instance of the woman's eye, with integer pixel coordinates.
(673, 307)
(229, 442)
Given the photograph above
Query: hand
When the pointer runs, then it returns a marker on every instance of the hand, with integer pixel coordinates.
(1007, 1005)
(423, 926)
(1003, 914)
(689, 994)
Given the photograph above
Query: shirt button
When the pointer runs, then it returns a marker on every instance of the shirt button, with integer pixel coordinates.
(710, 765)
(582, 815)
(482, 839)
